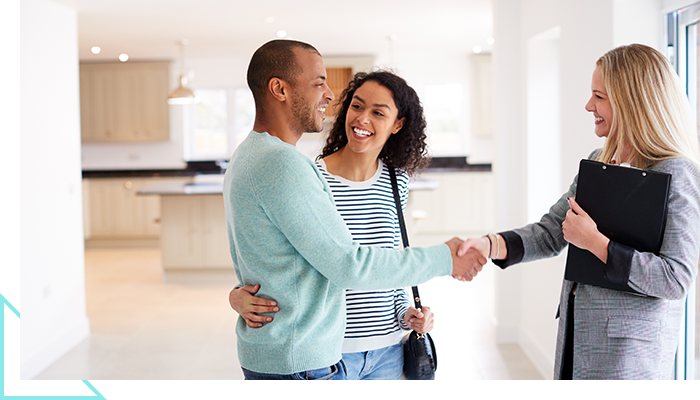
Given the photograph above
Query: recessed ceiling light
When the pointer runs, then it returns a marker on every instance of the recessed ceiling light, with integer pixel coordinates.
(95, 49)
(281, 34)
(476, 49)
(270, 20)
(489, 40)
(123, 57)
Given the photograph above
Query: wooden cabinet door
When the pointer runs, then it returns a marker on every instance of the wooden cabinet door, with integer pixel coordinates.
(217, 252)
(124, 102)
(181, 232)
(151, 107)
(97, 105)
(116, 211)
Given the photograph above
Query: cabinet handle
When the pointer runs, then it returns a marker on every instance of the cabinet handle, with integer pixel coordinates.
(127, 184)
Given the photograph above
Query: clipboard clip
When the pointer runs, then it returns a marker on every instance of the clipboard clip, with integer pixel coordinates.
(626, 165)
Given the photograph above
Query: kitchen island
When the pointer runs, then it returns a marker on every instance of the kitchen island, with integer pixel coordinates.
(193, 238)
(182, 211)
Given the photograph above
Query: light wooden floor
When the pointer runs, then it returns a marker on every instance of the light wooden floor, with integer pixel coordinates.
(142, 328)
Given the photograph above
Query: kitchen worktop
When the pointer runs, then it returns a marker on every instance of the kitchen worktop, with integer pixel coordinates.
(438, 164)
(214, 184)
(206, 177)
(201, 184)
(193, 169)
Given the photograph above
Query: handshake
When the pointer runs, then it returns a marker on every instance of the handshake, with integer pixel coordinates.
(468, 257)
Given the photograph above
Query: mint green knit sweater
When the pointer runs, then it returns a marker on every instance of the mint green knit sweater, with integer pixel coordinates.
(286, 235)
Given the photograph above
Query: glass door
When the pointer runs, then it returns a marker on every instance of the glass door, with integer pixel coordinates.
(682, 50)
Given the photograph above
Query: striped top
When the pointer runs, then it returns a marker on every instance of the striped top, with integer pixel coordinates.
(374, 319)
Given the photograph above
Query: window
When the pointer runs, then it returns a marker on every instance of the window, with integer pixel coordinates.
(442, 105)
(207, 138)
(243, 114)
(215, 126)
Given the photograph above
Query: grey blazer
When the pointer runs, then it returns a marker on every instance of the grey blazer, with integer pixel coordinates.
(618, 335)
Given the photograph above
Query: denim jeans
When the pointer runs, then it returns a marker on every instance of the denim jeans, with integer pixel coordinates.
(381, 364)
(334, 372)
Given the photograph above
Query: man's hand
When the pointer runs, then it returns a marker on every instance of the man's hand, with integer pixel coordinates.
(466, 267)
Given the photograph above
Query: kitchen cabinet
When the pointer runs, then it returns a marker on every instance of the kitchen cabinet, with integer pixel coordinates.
(462, 205)
(124, 102)
(193, 234)
(114, 211)
(337, 80)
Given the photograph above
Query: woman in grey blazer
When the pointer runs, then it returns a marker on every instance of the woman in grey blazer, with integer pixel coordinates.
(640, 108)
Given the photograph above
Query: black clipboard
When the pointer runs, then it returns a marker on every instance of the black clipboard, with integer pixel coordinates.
(629, 207)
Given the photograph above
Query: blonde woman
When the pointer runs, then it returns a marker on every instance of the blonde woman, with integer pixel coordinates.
(641, 109)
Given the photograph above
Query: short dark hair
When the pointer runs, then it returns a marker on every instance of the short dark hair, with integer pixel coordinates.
(274, 59)
(407, 149)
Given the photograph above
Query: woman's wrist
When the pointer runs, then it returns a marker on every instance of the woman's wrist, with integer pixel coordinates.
(600, 248)
(495, 245)
(487, 236)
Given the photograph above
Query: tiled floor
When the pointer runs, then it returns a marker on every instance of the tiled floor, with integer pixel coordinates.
(145, 329)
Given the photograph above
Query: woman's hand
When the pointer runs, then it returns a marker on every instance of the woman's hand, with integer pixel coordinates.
(581, 231)
(421, 322)
(249, 306)
(481, 244)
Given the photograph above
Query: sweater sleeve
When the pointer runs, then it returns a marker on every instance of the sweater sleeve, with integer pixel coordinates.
(401, 305)
(297, 200)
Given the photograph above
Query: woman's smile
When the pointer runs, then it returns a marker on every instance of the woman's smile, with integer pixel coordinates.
(361, 134)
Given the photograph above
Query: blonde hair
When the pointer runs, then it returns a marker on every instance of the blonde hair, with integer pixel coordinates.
(651, 113)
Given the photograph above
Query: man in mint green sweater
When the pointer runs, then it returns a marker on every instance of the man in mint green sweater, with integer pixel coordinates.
(286, 235)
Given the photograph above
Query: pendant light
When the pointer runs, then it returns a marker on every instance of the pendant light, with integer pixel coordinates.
(182, 94)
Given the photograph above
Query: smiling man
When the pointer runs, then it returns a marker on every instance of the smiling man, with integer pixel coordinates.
(286, 235)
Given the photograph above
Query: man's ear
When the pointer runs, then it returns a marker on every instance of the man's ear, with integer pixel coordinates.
(278, 88)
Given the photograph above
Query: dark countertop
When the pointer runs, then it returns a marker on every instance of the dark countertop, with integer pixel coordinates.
(193, 168)
(455, 164)
(438, 164)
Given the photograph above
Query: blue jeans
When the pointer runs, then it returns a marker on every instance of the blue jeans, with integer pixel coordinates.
(334, 372)
(381, 364)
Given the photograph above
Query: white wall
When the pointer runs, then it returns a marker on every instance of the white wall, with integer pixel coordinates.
(52, 295)
(527, 296)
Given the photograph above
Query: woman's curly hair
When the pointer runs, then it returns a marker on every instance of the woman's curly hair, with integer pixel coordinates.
(406, 150)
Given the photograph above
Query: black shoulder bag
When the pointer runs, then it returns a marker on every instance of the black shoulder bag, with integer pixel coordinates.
(419, 356)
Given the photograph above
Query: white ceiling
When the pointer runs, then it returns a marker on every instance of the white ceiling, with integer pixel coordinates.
(150, 29)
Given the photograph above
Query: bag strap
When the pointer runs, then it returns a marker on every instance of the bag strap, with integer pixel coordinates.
(402, 224)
